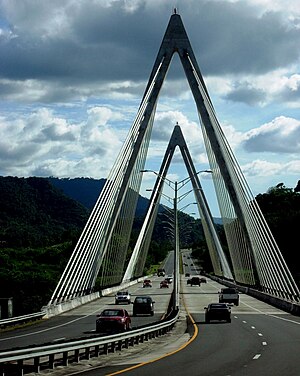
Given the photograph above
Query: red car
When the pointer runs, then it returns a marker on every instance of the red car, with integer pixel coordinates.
(147, 283)
(164, 284)
(113, 320)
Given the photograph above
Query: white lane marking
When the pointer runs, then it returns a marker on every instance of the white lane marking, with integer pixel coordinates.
(252, 327)
(257, 356)
(260, 334)
(245, 322)
(58, 339)
(264, 343)
(235, 317)
(268, 314)
(51, 328)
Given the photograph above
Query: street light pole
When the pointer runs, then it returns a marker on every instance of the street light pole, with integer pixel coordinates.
(177, 186)
(176, 251)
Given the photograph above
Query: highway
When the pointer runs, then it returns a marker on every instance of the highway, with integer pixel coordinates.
(80, 322)
(260, 340)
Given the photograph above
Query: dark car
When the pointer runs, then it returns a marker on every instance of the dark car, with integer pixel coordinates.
(203, 280)
(143, 305)
(161, 272)
(187, 274)
(217, 311)
(195, 281)
(147, 283)
(164, 284)
(122, 297)
(113, 320)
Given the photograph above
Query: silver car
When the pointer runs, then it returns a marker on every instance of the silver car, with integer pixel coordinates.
(122, 297)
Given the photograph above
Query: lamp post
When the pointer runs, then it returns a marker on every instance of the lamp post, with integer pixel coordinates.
(175, 185)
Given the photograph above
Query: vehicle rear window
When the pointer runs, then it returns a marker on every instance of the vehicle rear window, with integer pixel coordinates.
(142, 300)
(112, 312)
(218, 306)
(229, 291)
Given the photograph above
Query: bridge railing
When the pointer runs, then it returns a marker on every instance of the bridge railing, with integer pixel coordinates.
(49, 311)
(13, 321)
(285, 305)
(34, 359)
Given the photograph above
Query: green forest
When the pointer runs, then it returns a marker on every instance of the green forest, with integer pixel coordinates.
(40, 225)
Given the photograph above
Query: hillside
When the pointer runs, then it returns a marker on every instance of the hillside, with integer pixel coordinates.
(40, 225)
(87, 190)
(35, 213)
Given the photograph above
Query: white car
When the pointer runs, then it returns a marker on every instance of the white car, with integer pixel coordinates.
(169, 278)
(122, 297)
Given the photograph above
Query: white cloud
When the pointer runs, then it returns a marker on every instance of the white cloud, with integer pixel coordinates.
(45, 143)
(73, 74)
(282, 135)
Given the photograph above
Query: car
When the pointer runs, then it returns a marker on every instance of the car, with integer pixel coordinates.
(229, 295)
(147, 283)
(203, 280)
(187, 274)
(122, 297)
(217, 311)
(113, 320)
(164, 284)
(169, 279)
(195, 281)
(143, 305)
(161, 272)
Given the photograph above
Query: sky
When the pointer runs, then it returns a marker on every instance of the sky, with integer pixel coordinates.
(73, 73)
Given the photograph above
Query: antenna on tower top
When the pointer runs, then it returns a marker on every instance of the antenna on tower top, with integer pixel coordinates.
(175, 10)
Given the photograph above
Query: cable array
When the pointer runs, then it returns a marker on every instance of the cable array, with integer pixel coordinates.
(101, 253)
(255, 255)
(107, 230)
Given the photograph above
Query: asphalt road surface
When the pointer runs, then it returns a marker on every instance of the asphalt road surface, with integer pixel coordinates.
(80, 322)
(260, 341)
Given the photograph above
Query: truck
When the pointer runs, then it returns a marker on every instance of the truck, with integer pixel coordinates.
(229, 295)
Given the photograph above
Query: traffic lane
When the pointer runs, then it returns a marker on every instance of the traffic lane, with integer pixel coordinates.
(220, 348)
(197, 298)
(280, 339)
(80, 322)
(169, 263)
(76, 323)
(251, 345)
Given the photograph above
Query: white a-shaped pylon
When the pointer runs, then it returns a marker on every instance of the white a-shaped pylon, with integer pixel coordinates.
(103, 244)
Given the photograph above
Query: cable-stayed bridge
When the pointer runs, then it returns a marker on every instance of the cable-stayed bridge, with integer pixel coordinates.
(101, 252)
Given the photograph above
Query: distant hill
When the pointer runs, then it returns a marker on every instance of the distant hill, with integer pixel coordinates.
(87, 190)
(36, 213)
(83, 190)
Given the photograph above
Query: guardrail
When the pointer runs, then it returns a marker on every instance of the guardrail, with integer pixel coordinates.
(54, 310)
(286, 305)
(21, 319)
(33, 359)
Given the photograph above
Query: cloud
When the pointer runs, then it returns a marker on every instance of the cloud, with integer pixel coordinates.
(282, 135)
(243, 92)
(69, 49)
(44, 143)
(72, 75)
(261, 90)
